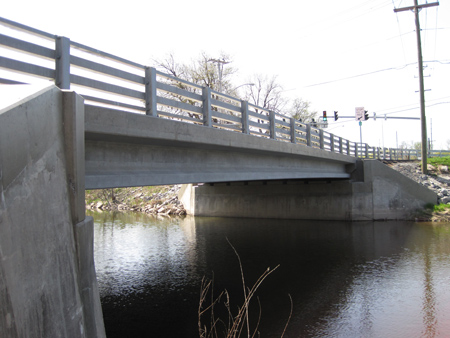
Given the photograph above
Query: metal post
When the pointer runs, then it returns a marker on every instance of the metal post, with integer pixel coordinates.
(244, 117)
(272, 125)
(62, 62)
(150, 92)
(207, 121)
(360, 133)
(332, 143)
(321, 140)
(308, 135)
(292, 128)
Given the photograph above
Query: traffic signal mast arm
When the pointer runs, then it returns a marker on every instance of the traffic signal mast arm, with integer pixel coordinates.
(384, 117)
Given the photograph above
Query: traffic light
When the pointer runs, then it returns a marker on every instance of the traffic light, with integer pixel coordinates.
(336, 115)
(366, 115)
(324, 116)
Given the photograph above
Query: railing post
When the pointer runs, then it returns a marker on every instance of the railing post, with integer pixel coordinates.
(272, 125)
(356, 149)
(348, 148)
(150, 92)
(321, 140)
(292, 128)
(207, 121)
(62, 62)
(341, 149)
(308, 135)
(244, 117)
(378, 153)
(332, 143)
(366, 150)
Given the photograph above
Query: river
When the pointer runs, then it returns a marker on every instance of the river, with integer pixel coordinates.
(364, 279)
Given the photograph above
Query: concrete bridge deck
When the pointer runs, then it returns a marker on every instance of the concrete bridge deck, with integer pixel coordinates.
(124, 149)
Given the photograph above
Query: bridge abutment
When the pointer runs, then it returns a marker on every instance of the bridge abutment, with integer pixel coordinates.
(48, 285)
(377, 192)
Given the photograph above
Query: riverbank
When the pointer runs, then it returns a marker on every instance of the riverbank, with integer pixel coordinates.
(161, 200)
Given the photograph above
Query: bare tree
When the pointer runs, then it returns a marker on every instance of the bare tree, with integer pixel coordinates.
(217, 73)
(266, 93)
(170, 66)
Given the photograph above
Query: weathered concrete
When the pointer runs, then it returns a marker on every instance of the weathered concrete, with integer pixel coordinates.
(47, 278)
(382, 194)
(124, 149)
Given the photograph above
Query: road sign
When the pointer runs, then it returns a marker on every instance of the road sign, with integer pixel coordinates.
(359, 113)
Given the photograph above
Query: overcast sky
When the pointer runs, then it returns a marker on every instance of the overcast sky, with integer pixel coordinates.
(336, 54)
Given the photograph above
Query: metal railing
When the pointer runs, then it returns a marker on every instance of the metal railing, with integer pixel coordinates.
(107, 80)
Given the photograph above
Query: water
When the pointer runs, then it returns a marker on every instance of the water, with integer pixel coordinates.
(384, 279)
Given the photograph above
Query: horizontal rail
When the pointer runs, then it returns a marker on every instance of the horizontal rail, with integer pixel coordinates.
(108, 80)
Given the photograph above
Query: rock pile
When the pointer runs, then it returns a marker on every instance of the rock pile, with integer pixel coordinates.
(164, 202)
(438, 179)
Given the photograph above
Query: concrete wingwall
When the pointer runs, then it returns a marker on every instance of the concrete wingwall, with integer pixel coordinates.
(48, 285)
(377, 193)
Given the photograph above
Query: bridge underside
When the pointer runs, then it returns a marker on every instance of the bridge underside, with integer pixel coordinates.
(124, 150)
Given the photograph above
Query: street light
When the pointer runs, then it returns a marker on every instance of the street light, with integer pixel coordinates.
(220, 64)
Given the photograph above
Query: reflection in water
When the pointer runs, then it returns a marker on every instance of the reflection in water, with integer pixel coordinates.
(387, 279)
(429, 300)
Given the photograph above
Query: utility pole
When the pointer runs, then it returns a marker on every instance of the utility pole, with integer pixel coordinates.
(423, 120)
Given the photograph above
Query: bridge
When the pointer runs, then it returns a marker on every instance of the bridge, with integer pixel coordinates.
(102, 121)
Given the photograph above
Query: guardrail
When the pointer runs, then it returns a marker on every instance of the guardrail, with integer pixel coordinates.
(108, 80)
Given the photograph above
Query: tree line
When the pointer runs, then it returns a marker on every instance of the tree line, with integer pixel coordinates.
(218, 74)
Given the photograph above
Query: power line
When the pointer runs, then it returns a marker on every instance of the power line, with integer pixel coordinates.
(336, 17)
(444, 62)
(400, 32)
(360, 75)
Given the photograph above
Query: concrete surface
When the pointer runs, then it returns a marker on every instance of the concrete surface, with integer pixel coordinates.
(382, 194)
(125, 149)
(45, 264)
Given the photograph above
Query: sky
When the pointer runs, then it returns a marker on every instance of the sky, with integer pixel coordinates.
(338, 55)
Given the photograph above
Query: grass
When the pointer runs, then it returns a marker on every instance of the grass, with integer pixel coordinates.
(441, 207)
(238, 324)
(436, 213)
(437, 161)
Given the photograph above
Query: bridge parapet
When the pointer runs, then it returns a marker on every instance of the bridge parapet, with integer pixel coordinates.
(107, 80)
